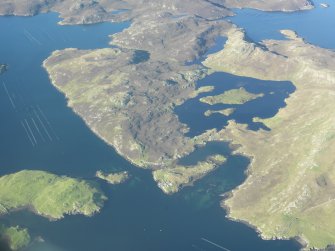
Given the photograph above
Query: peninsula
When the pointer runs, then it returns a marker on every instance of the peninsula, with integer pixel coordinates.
(171, 180)
(290, 190)
(130, 103)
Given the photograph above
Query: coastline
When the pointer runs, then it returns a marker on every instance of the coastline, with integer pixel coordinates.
(147, 165)
(248, 171)
(302, 242)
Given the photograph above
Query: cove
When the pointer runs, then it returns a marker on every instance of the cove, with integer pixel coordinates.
(137, 216)
(192, 112)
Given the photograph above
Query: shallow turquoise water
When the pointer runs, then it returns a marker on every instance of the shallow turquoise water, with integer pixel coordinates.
(138, 216)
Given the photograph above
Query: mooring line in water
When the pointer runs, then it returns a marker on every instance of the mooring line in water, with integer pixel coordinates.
(26, 36)
(48, 122)
(216, 245)
(25, 129)
(43, 126)
(31, 132)
(37, 129)
(7, 92)
(32, 37)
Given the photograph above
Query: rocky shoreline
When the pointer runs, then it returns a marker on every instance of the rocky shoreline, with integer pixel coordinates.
(283, 186)
(132, 110)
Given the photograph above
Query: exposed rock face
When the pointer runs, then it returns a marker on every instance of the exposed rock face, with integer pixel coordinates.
(290, 190)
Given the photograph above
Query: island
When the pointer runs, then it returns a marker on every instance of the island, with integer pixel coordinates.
(289, 191)
(16, 237)
(172, 179)
(113, 178)
(49, 195)
(231, 97)
(226, 112)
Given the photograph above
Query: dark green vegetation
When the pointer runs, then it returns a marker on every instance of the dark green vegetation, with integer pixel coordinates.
(48, 195)
(15, 237)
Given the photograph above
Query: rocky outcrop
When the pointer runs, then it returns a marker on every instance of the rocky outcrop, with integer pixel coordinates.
(3, 68)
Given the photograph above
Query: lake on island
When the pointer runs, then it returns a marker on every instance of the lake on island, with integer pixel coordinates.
(138, 215)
